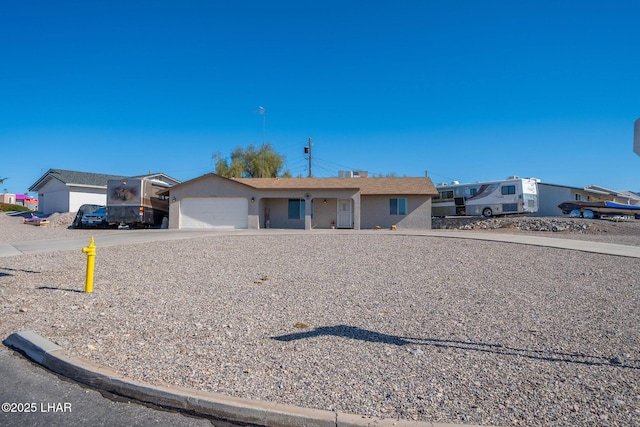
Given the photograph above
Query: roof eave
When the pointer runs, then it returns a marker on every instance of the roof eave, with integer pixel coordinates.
(100, 187)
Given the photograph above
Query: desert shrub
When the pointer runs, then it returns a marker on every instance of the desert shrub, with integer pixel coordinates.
(6, 207)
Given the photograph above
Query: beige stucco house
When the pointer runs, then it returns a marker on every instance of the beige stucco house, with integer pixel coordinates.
(212, 201)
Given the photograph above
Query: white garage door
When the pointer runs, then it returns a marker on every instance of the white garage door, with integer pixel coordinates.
(214, 212)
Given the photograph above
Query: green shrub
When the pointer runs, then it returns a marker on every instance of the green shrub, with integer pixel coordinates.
(6, 207)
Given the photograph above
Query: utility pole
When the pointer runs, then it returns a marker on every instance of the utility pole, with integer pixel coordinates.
(308, 152)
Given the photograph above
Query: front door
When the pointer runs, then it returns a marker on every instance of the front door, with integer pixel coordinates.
(344, 213)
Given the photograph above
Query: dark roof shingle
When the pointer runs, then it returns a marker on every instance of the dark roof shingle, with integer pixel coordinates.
(74, 177)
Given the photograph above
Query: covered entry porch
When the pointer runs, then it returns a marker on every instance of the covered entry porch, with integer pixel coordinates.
(307, 212)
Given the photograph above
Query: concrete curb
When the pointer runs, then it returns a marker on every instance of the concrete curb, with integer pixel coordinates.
(213, 405)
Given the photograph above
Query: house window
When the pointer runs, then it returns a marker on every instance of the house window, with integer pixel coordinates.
(296, 209)
(508, 189)
(447, 194)
(398, 206)
(578, 197)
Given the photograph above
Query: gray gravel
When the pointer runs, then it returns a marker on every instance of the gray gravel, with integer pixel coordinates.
(420, 328)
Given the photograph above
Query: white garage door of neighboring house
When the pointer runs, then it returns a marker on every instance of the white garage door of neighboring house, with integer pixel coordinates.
(214, 212)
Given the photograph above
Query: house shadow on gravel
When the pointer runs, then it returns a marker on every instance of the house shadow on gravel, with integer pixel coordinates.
(353, 332)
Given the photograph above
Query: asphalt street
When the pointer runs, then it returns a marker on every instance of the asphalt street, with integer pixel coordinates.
(33, 396)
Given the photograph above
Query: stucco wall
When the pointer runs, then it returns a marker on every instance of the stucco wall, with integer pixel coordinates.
(375, 212)
(8, 198)
(550, 196)
(325, 210)
(278, 210)
(211, 186)
(53, 197)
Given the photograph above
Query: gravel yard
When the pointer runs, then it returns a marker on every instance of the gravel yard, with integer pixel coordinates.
(419, 328)
(607, 231)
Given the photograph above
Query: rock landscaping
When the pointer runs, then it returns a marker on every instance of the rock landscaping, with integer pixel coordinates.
(376, 324)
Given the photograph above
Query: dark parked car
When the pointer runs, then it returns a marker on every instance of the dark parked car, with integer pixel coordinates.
(97, 218)
(84, 209)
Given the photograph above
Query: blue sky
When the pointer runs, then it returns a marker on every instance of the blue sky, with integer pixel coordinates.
(465, 90)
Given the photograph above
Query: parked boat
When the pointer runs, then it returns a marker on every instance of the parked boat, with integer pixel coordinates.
(35, 220)
(596, 209)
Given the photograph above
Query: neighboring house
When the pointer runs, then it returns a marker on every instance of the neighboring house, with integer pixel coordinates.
(65, 191)
(621, 196)
(8, 198)
(27, 201)
(551, 195)
(212, 201)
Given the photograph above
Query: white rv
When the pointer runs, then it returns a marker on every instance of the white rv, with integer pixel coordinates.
(514, 195)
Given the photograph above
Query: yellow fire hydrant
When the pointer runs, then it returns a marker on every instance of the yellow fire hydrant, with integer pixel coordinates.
(91, 260)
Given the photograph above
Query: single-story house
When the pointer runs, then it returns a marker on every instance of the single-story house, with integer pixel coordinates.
(27, 201)
(65, 191)
(618, 196)
(551, 195)
(8, 198)
(213, 201)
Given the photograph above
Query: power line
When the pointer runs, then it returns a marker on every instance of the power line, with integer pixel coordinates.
(327, 173)
(337, 165)
(441, 176)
